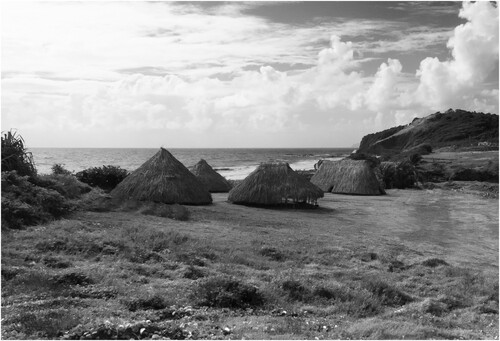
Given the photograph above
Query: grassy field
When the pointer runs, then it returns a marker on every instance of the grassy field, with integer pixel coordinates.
(443, 165)
(415, 264)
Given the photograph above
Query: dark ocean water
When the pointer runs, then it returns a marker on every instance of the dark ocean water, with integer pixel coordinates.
(232, 163)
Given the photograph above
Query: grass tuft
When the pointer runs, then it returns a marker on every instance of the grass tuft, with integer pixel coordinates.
(272, 253)
(388, 294)
(153, 302)
(434, 262)
(226, 292)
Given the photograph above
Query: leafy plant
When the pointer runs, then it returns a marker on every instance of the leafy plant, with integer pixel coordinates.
(58, 169)
(24, 203)
(65, 184)
(105, 177)
(15, 156)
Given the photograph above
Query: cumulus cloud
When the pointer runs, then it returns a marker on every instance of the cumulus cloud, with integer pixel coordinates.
(161, 81)
(382, 93)
(474, 48)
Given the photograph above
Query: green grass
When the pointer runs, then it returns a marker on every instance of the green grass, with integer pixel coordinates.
(108, 273)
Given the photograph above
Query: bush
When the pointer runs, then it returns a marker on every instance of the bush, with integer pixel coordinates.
(226, 292)
(105, 177)
(65, 184)
(58, 169)
(398, 174)
(14, 155)
(24, 203)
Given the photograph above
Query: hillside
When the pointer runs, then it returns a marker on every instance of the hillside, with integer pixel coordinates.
(454, 128)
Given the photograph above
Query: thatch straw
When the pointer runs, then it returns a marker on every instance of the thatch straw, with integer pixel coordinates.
(212, 180)
(163, 179)
(274, 184)
(347, 177)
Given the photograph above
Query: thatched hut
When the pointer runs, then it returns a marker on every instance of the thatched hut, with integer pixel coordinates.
(275, 184)
(348, 177)
(212, 180)
(164, 179)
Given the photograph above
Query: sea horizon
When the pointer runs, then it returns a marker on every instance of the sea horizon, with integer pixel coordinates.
(28, 148)
(232, 163)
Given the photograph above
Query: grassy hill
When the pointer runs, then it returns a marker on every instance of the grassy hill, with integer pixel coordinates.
(454, 128)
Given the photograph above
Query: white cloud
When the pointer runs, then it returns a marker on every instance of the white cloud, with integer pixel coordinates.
(383, 92)
(474, 47)
(334, 101)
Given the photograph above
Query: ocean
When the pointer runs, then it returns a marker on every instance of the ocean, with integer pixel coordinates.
(232, 163)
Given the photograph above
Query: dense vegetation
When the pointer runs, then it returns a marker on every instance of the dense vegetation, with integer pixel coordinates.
(15, 155)
(28, 198)
(105, 177)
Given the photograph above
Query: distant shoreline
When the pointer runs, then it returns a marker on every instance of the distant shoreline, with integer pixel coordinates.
(232, 163)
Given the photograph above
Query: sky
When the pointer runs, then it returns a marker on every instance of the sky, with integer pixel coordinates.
(138, 74)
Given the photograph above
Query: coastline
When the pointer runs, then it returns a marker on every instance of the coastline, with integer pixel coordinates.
(232, 163)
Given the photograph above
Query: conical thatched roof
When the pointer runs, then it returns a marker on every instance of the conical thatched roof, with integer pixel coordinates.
(212, 180)
(348, 177)
(163, 179)
(274, 183)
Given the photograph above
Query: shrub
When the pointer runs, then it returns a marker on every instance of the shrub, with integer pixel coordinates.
(105, 177)
(64, 184)
(398, 174)
(24, 203)
(15, 157)
(226, 292)
(58, 169)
